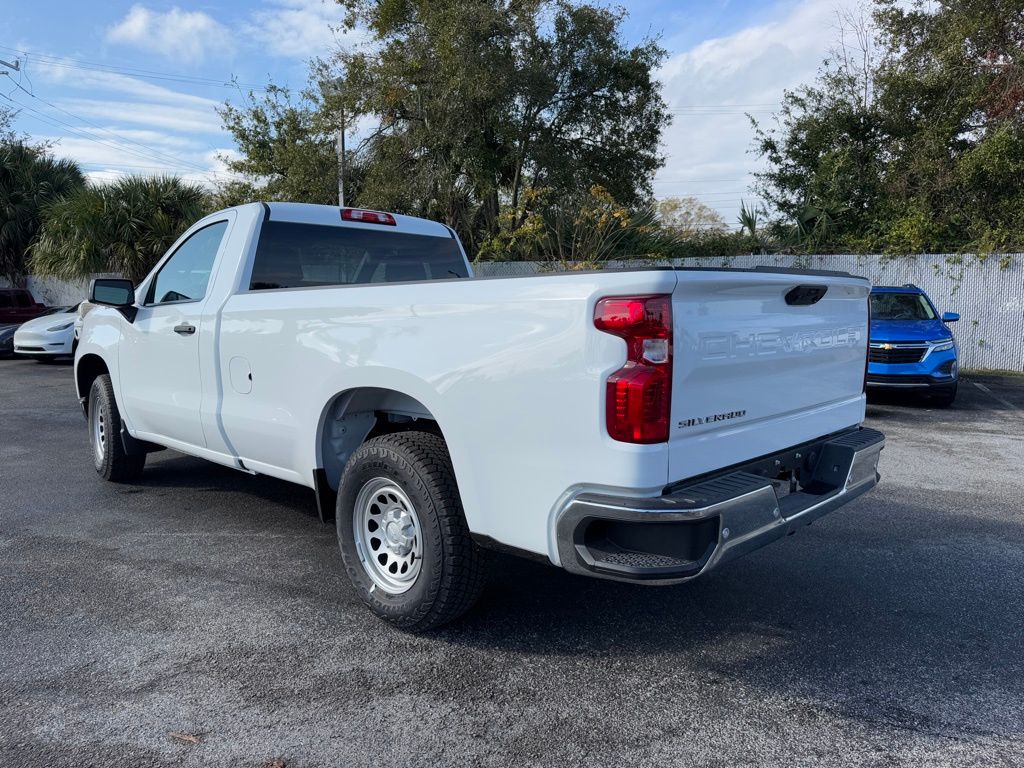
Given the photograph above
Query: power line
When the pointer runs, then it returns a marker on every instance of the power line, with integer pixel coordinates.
(83, 134)
(723, 104)
(156, 153)
(151, 152)
(113, 166)
(697, 181)
(715, 194)
(69, 63)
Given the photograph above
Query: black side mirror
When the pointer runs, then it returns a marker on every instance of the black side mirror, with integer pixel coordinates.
(115, 292)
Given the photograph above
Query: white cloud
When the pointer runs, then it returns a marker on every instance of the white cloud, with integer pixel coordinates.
(184, 35)
(152, 129)
(172, 117)
(112, 159)
(300, 28)
(93, 81)
(167, 153)
(750, 67)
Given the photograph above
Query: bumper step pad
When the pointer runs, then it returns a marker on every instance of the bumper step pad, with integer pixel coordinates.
(677, 536)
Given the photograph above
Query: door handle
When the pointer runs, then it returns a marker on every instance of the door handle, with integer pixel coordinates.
(184, 329)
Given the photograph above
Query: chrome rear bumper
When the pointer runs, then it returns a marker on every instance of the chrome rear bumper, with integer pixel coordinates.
(684, 534)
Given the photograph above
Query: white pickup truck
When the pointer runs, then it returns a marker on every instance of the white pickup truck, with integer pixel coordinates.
(644, 425)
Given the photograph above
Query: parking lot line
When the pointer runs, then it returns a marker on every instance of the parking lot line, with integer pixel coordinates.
(996, 397)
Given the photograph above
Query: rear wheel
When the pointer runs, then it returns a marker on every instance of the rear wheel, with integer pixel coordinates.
(108, 453)
(403, 534)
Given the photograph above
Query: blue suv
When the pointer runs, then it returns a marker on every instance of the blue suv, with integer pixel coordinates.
(911, 347)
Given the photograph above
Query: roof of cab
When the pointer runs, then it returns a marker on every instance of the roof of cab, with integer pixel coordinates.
(895, 289)
(330, 215)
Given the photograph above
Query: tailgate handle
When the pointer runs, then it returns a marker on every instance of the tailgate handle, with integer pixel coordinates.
(805, 295)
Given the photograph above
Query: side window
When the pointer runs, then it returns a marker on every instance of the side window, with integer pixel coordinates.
(22, 299)
(186, 274)
(5, 299)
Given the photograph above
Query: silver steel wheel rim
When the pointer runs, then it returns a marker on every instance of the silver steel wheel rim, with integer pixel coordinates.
(387, 536)
(98, 424)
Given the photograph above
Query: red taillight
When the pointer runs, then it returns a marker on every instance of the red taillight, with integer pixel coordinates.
(367, 217)
(639, 394)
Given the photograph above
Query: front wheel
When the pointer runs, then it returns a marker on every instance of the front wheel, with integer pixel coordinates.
(403, 534)
(111, 460)
(945, 398)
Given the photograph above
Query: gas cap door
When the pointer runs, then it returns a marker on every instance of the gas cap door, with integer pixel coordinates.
(241, 375)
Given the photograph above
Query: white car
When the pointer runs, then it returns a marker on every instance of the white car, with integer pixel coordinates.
(49, 335)
(644, 425)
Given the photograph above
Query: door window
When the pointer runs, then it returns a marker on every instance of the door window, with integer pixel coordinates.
(186, 274)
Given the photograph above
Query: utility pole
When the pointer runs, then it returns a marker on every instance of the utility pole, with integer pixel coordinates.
(334, 86)
(16, 66)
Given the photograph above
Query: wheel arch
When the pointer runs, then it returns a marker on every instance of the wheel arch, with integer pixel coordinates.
(88, 368)
(350, 418)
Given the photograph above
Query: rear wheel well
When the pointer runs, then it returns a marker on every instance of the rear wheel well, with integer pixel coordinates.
(354, 416)
(89, 368)
(349, 420)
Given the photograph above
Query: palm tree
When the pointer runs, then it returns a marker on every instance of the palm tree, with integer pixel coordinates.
(124, 226)
(30, 179)
(748, 219)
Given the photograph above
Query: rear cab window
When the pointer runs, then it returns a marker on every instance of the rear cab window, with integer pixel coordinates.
(295, 255)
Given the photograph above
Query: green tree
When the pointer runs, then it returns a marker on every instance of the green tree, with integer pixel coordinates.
(952, 88)
(825, 151)
(124, 226)
(473, 102)
(6, 121)
(688, 216)
(30, 179)
(918, 147)
(577, 231)
(462, 107)
(286, 150)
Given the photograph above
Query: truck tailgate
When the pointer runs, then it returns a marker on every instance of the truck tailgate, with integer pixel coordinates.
(755, 373)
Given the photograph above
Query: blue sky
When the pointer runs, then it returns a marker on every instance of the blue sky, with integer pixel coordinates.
(127, 87)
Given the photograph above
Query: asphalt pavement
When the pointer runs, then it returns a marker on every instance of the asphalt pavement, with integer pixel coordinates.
(202, 617)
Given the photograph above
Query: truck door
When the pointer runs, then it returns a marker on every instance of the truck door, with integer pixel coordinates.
(161, 385)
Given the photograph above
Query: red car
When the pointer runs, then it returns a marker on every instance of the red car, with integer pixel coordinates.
(17, 306)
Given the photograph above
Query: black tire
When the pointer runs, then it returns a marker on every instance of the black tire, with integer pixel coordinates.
(109, 457)
(452, 568)
(945, 398)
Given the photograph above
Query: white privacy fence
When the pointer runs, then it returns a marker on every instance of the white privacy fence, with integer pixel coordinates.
(989, 296)
(54, 292)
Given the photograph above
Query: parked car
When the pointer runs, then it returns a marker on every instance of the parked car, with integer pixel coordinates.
(17, 305)
(83, 309)
(49, 336)
(644, 425)
(7, 340)
(912, 347)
